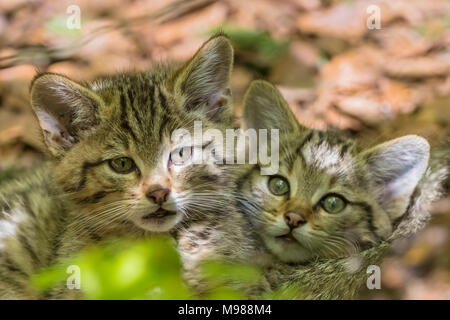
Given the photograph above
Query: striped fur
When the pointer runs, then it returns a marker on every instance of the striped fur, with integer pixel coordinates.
(77, 199)
(386, 189)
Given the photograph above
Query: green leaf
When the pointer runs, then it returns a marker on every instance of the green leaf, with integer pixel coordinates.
(146, 269)
(262, 45)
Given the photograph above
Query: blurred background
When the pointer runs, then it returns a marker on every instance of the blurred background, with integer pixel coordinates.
(372, 69)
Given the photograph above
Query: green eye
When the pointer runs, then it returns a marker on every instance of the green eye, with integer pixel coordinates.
(122, 165)
(278, 185)
(333, 204)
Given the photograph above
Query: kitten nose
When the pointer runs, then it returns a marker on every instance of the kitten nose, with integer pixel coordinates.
(294, 219)
(158, 196)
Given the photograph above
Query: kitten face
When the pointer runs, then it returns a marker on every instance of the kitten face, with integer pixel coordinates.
(136, 179)
(113, 146)
(328, 198)
(317, 204)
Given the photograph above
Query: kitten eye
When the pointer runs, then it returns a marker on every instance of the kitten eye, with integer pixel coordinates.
(333, 204)
(122, 165)
(278, 185)
(180, 155)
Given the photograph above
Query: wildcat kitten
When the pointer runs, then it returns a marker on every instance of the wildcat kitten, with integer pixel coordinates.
(113, 173)
(386, 194)
(329, 198)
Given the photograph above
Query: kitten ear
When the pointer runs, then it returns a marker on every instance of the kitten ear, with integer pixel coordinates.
(265, 108)
(204, 80)
(64, 109)
(396, 167)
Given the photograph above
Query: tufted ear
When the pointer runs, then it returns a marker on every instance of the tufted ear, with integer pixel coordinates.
(64, 109)
(396, 168)
(204, 80)
(265, 108)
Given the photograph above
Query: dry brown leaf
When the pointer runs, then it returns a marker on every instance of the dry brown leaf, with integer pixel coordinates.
(179, 51)
(305, 53)
(419, 67)
(352, 71)
(22, 72)
(307, 5)
(348, 20)
(402, 41)
(263, 15)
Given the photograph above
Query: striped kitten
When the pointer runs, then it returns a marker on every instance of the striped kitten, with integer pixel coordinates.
(329, 198)
(113, 172)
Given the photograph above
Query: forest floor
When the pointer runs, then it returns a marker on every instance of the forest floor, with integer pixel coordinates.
(334, 66)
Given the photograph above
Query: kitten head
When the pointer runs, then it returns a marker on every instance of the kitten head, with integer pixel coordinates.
(329, 196)
(111, 139)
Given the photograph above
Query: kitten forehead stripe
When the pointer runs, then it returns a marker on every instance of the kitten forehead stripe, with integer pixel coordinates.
(136, 113)
(125, 118)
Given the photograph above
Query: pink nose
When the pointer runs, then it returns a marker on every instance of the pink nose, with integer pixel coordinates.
(294, 219)
(158, 196)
